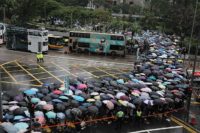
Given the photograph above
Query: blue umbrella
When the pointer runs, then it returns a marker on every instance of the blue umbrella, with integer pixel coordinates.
(30, 92)
(120, 81)
(63, 98)
(86, 104)
(57, 101)
(21, 125)
(78, 98)
(51, 115)
(35, 100)
(18, 117)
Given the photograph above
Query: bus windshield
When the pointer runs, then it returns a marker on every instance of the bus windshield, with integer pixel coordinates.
(57, 40)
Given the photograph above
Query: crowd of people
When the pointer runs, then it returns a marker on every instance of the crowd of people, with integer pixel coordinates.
(156, 84)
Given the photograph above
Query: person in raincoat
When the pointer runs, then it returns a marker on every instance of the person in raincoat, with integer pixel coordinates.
(139, 116)
(120, 117)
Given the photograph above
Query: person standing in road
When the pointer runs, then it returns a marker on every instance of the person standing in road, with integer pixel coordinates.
(38, 57)
(41, 57)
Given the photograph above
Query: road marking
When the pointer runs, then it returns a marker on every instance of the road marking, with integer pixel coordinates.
(9, 74)
(18, 83)
(183, 124)
(50, 73)
(105, 72)
(36, 79)
(157, 129)
(7, 63)
(85, 70)
(64, 69)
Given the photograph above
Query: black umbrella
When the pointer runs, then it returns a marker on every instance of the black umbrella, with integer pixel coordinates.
(18, 111)
(169, 95)
(40, 95)
(59, 107)
(83, 109)
(76, 112)
(22, 103)
(114, 83)
(98, 103)
(74, 103)
(44, 91)
(68, 114)
(105, 97)
(155, 96)
(137, 101)
(39, 107)
(158, 102)
(93, 110)
(47, 98)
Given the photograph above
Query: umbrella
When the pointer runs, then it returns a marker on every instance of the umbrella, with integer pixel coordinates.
(19, 98)
(38, 114)
(148, 102)
(98, 103)
(29, 92)
(87, 104)
(78, 98)
(137, 101)
(82, 86)
(59, 107)
(40, 95)
(63, 98)
(83, 109)
(120, 81)
(21, 125)
(94, 93)
(35, 100)
(13, 108)
(44, 91)
(47, 98)
(77, 92)
(97, 97)
(34, 89)
(108, 104)
(91, 100)
(119, 94)
(42, 103)
(48, 107)
(131, 105)
(18, 111)
(74, 103)
(57, 92)
(68, 93)
(124, 103)
(41, 120)
(51, 115)
(18, 117)
(57, 101)
(124, 98)
(39, 107)
(146, 89)
(93, 109)
(60, 115)
(13, 102)
(76, 111)
(9, 127)
(62, 88)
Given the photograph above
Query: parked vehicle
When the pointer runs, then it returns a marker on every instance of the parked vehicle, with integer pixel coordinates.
(27, 39)
(106, 43)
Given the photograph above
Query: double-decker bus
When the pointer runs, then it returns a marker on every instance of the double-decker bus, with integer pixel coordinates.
(27, 39)
(56, 42)
(106, 43)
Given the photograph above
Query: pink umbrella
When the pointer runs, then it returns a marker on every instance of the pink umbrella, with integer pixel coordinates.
(82, 86)
(48, 107)
(174, 91)
(41, 120)
(136, 91)
(109, 104)
(57, 92)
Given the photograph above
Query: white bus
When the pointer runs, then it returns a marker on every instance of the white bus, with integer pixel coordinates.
(37, 40)
(27, 39)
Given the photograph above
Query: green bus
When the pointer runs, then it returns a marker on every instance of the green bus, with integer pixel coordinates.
(106, 43)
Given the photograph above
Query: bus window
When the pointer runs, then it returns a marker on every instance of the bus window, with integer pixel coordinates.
(120, 38)
(113, 38)
(116, 47)
(84, 45)
(45, 34)
(45, 43)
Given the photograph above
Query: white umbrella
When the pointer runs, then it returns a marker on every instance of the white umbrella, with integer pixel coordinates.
(13, 108)
(119, 94)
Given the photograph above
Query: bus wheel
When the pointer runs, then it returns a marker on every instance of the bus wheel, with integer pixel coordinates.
(79, 50)
(113, 53)
(70, 49)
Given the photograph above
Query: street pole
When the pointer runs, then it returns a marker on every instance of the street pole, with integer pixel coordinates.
(71, 21)
(1, 110)
(193, 24)
(191, 85)
(4, 15)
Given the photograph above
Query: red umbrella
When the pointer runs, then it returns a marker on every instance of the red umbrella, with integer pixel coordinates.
(57, 92)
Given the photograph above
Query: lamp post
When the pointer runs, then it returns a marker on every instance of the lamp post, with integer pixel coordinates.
(1, 110)
(191, 84)
(193, 24)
